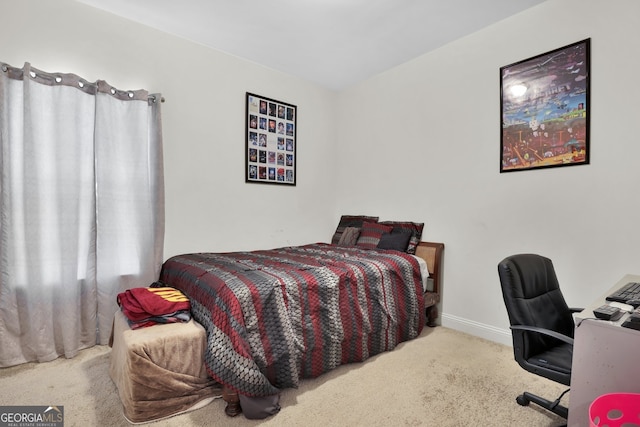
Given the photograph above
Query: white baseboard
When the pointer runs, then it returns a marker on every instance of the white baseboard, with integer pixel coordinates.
(491, 333)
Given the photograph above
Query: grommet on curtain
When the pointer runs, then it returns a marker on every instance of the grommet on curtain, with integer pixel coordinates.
(58, 79)
(5, 68)
(32, 74)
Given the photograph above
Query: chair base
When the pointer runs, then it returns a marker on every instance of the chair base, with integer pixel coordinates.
(552, 406)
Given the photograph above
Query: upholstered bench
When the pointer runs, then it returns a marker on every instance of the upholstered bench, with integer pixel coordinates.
(159, 370)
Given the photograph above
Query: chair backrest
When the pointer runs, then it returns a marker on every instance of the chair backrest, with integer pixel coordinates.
(532, 297)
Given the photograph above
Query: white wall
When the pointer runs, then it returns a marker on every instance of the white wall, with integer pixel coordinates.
(209, 205)
(432, 123)
(424, 141)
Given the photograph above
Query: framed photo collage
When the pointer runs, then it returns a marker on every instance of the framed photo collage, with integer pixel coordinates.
(270, 141)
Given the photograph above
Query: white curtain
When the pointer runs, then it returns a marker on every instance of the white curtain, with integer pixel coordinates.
(81, 209)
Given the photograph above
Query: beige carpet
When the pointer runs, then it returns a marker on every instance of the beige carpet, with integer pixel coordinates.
(442, 378)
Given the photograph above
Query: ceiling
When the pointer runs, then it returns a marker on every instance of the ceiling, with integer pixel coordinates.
(334, 43)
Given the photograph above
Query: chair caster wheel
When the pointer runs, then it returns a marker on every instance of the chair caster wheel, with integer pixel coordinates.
(522, 401)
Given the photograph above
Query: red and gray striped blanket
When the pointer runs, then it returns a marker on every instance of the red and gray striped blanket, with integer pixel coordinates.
(275, 316)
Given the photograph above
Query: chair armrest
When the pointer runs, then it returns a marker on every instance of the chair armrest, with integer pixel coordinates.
(544, 331)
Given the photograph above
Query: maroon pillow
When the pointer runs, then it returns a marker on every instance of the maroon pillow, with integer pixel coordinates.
(416, 229)
(350, 221)
(370, 234)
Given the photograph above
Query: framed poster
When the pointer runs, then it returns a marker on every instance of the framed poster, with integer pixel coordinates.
(271, 143)
(544, 109)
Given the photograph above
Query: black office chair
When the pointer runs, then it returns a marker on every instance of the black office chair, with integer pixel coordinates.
(541, 323)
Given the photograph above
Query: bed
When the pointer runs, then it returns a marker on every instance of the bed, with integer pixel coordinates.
(274, 317)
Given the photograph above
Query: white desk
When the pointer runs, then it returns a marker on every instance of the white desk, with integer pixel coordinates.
(605, 359)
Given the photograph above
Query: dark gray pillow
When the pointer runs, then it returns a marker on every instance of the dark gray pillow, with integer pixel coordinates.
(415, 227)
(396, 240)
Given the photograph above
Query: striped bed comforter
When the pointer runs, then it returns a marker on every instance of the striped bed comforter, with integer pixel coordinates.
(275, 316)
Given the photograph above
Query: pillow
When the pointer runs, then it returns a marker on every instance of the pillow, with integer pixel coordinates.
(350, 221)
(396, 240)
(416, 229)
(371, 233)
(349, 236)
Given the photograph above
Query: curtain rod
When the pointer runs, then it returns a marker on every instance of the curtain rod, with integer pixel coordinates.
(70, 79)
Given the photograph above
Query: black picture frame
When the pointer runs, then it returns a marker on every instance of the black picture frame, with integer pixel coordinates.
(545, 109)
(271, 141)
